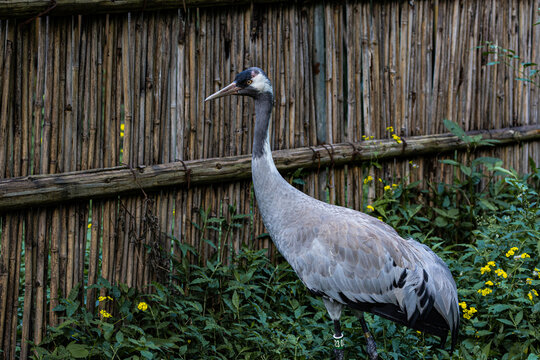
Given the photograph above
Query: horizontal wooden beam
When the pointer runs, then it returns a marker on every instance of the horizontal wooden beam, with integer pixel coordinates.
(43, 190)
(30, 8)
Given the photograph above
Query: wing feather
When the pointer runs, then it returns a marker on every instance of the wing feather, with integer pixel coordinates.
(353, 257)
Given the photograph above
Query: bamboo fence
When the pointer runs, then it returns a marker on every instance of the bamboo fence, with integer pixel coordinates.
(122, 95)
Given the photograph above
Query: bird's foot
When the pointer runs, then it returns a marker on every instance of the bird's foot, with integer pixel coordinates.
(338, 347)
(371, 347)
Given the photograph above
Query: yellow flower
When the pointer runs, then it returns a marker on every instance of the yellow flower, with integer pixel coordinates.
(370, 208)
(491, 263)
(467, 314)
(368, 179)
(142, 306)
(104, 314)
(490, 283)
(463, 305)
(501, 272)
(390, 128)
(510, 253)
(394, 185)
(380, 180)
(524, 255)
(121, 127)
(528, 281)
(485, 269)
(102, 298)
(514, 249)
(485, 291)
(531, 293)
(387, 187)
(89, 225)
(396, 138)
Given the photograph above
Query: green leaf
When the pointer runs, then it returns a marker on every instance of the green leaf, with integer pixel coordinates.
(120, 337)
(78, 351)
(440, 222)
(518, 318)
(147, 354)
(506, 322)
(487, 204)
(455, 129)
(236, 300)
(449, 162)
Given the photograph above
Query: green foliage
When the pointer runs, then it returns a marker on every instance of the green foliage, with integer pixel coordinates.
(485, 225)
(524, 70)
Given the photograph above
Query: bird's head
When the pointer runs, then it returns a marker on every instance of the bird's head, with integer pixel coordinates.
(251, 82)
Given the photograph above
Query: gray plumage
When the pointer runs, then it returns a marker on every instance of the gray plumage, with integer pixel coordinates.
(346, 256)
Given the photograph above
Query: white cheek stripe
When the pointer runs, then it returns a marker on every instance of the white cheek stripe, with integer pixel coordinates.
(261, 83)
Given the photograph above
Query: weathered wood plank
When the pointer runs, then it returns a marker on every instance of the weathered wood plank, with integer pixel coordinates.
(30, 8)
(48, 189)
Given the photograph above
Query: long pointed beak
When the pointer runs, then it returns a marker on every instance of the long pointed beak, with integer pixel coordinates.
(230, 89)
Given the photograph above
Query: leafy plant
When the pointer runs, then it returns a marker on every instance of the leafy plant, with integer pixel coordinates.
(526, 71)
(243, 306)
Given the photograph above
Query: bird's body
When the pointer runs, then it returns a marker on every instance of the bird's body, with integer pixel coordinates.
(346, 256)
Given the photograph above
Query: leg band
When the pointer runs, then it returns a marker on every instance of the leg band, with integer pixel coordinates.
(339, 342)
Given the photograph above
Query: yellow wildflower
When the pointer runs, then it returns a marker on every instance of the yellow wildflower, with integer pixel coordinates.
(102, 298)
(531, 293)
(490, 283)
(121, 127)
(142, 306)
(380, 180)
(394, 185)
(467, 314)
(524, 255)
(491, 263)
(509, 253)
(485, 291)
(485, 269)
(501, 272)
(514, 248)
(368, 179)
(463, 305)
(370, 208)
(390, 128)
(396, 138)
(104, 314)
(528, 281)
(89, 225)
(387, 187)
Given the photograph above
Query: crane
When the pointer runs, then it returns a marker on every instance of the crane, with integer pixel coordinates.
(345, 256)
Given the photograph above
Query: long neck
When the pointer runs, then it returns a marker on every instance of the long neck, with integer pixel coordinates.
(263, 111)
(279, 203)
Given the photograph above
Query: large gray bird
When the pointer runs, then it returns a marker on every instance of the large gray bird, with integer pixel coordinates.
(345, 256)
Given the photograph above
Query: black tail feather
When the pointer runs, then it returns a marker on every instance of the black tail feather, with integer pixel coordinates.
(431, 322)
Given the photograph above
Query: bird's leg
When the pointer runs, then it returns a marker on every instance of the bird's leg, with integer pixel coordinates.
(371, 346)
(338, 341)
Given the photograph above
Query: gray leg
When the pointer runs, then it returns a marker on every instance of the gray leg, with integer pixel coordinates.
(371, 347)
(338, 341)
(334, 310)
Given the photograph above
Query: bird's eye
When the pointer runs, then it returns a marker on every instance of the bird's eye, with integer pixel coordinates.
(249, 82)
